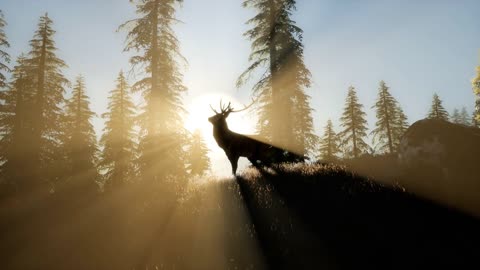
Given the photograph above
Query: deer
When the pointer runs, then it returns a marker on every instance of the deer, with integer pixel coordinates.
(238, 145)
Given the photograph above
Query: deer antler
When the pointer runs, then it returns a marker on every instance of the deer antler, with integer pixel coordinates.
(228, 108)
(215, 111)
(244, 108)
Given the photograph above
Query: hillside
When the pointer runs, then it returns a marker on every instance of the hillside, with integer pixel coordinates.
(293, 217)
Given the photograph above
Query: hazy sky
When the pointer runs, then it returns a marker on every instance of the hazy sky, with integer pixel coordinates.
(417, 47)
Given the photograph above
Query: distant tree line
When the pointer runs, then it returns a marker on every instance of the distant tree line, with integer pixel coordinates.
(391, 124)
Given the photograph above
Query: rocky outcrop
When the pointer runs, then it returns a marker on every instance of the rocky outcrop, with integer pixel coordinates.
(449, 149)
(440, 161)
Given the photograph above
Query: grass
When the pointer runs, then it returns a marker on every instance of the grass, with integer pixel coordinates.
(288, 217)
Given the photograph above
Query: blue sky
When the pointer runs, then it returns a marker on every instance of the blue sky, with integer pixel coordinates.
(417, 47)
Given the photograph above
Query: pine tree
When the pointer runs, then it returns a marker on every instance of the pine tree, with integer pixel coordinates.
(15, 127)
(118, 139)
(354, 124)
(475, 122)
(456, 116)
(437, 111)
(305, 140)
(80, 140)
(464, 117)
(4, 56)
(163, 134)
(45, 68)
(401, 126)
(199, 162)
(386, 111)
(476, 92)
(329, 144)
(285, 116)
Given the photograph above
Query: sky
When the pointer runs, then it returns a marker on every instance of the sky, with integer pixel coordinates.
(416, 47)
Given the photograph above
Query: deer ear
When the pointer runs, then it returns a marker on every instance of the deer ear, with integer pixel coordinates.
(226, 113)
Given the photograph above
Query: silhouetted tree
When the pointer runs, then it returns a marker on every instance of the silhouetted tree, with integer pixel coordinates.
(80, 140)
(355, 125)
(401, 125)
(162, 131)
(305, 140)
(4, 56)
(476, 92)
(437, 111)
(475, 122)
(45, 68)
(15, 126)
(198, 161)
(464, 117)
(386, 112)
(455, 118)
(329, 143)
(284, 110)
(461, 117)
(118, 139)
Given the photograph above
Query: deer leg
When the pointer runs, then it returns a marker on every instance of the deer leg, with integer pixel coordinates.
(234, 163)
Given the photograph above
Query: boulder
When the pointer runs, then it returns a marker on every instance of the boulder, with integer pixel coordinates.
(451, 150)
(440, 161)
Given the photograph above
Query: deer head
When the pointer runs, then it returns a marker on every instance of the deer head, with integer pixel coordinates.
(219, 119)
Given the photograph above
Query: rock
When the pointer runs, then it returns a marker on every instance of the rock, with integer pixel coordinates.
(452, 150)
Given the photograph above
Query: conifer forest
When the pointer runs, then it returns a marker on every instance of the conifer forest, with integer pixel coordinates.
(298, 163)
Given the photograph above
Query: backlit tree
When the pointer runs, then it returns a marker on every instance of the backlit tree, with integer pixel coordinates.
(386, 112)
(437, 111)
(158, 56)
(4, 56)
(48, 87)
(329, 143)
(16, 127)
(199, 162)
(118, 140)
(354, 126)
(80, 140)
(285, 115)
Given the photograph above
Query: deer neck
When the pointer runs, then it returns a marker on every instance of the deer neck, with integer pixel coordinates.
(221, 133)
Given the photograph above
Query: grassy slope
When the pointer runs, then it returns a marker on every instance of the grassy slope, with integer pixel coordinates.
(342, 220)
(296, 217)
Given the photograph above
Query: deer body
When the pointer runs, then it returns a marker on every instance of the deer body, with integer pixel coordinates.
(238, 145)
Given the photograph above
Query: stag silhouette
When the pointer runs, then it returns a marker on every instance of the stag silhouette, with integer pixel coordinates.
(238, 145)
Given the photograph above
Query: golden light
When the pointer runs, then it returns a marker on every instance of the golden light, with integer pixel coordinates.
(197, 119)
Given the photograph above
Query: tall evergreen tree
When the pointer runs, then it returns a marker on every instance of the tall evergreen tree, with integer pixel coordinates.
(437, 111)
(464, 117)
(163, 134)
(386, 111)
(285, 116)
(80, 140)
(118, 139)
(329, 143)
(355, 125)
(305, 140)
(45, 68)
(475, 122)
(476, 92)
(455, 118)
(461, 117)
(199, 162)
(15, 126)
(401, 125)
(4, 56)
